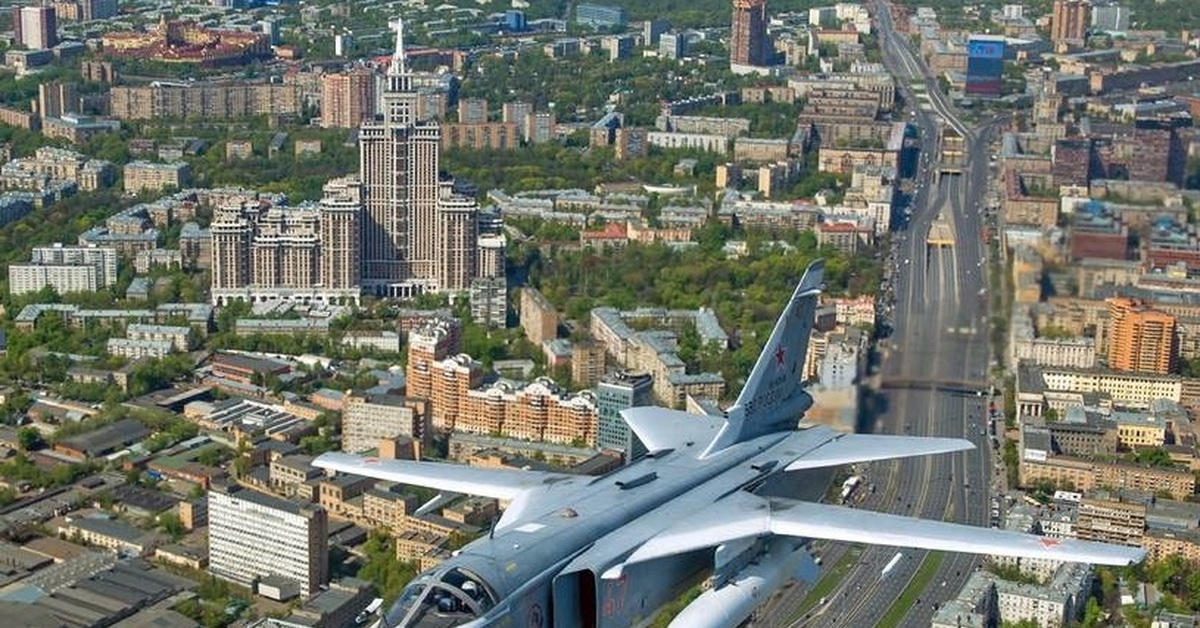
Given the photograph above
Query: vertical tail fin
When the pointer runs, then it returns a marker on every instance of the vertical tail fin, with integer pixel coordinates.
(773, 399)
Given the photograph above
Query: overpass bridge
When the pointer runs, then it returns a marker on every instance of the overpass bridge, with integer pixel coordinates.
(959, 386)
(941, 234)
(951, 152)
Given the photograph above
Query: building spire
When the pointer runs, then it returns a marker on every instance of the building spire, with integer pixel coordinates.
(398, 65)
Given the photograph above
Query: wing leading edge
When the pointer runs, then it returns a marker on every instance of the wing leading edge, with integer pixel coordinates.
(744, 515)
(520, 487)
(852, 448)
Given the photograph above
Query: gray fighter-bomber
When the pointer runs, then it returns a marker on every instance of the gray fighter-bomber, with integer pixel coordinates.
(579, 551)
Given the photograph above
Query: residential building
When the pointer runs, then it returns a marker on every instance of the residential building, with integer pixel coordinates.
(206, 100)
(179, 337)
(428, 344)
(539, 411)
(1140, 338)
(1069, 22)
(66, 269)
(146, 176)
(252, 536)
(306, 253)
(539, 319)
(472, 110)
(138, 349)
(417, 234)
(749, 44)
(1110, 521)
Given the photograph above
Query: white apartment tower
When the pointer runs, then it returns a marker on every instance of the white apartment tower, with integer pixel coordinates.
(415, 231)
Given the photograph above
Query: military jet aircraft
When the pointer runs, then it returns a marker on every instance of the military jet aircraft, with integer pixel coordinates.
(575, 551)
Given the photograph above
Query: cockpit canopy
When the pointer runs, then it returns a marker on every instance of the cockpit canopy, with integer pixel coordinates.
(450, 596)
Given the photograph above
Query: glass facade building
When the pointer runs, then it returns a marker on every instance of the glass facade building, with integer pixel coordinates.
(985, 65)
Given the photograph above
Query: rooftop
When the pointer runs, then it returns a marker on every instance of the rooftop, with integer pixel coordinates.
(108, 438)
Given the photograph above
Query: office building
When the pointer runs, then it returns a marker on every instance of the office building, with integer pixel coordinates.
(748, 42)
(252, 536)
(307, 253)
(367, 420)
(985, 66)
(652, 30)
(36, 28)
(617, 47)
(347, 99)
(514, 21)
(1110, 18)
(1069, 22)
(417, 235)
(672, 45)
(600, 16)
(613, 394)
(97, 9)
(1139, 338)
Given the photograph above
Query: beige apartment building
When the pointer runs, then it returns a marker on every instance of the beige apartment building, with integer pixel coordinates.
(539, 319)
(143, 176)
(204, 101)
(264, 253)
(347, 98)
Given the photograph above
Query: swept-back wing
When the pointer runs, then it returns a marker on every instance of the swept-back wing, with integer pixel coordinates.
(837, 523)
(743, 515)
(453, 478)
(852, 448)
(521, 488)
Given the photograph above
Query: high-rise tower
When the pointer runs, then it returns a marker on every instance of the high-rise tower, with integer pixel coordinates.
(748, 43)
(1140, 338)
(406, 248)
(1069, 22)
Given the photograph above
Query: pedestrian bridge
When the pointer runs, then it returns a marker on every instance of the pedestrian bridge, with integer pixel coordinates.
(961, 386)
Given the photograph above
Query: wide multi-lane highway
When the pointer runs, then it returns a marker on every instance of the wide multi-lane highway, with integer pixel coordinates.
(940, 334)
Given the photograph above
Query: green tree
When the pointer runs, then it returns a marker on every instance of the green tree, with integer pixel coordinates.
(170, 524)
(389, 574)
(30, 439)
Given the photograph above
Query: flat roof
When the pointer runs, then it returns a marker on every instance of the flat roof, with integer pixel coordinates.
(105, 439)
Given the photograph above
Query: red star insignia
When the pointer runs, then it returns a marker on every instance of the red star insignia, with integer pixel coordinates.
(371, 460)
(779, 355)
(1049, 543)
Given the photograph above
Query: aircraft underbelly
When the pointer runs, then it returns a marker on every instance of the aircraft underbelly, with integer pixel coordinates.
(643, 589)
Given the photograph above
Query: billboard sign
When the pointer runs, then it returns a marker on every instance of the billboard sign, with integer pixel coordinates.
(985, 49)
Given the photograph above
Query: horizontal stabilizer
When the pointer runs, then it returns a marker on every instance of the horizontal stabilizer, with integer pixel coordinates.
(852, 448)
(838, 523)
(744, 515)
(662, 428)
(452, 478)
